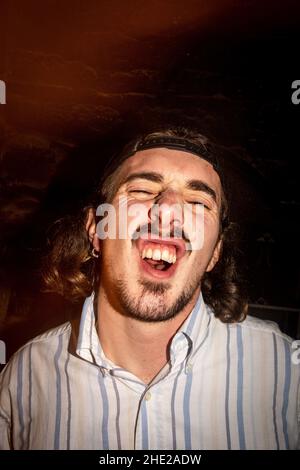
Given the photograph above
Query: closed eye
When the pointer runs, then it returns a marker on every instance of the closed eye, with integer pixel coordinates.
(142, 194)
(140, 191)
(199, 203)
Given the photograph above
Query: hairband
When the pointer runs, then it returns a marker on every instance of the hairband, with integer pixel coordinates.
(179, 143)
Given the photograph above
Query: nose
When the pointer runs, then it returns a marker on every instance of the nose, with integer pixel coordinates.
(167, 212)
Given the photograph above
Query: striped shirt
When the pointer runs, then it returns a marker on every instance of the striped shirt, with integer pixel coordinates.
(226, 386)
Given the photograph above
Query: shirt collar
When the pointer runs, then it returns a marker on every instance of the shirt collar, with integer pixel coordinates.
(191, 334)
(88, 344)
(184, 345)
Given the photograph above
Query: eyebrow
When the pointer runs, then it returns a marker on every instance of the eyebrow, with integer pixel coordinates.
(198, 185)
(148, 175)
(194, 185)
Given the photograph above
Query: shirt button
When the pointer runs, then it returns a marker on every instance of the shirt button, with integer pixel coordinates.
(148, 396)
(189, 367)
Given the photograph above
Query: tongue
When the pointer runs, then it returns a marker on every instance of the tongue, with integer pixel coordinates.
(153, 261)
(156, 264)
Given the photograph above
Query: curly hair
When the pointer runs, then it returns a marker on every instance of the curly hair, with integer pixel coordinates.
(70, 270)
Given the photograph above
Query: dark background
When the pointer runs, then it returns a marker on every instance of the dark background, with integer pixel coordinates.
(81, 76)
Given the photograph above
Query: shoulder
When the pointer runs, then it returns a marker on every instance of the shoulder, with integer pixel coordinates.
(41, 348)
(253, 330)
(263, 339)
(48, 338)
(50, 335)
(265, 329)
(32, 364)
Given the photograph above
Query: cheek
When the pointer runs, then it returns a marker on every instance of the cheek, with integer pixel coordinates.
(113, 249)
(211, 231)
(204, 246)
(116, 258)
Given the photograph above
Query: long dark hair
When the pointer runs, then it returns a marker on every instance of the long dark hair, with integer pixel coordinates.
(70, 270)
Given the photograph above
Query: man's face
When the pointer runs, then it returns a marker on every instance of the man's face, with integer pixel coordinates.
(153, 277)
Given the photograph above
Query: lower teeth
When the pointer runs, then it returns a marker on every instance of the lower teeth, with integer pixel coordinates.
(164, 266)
(160, 266)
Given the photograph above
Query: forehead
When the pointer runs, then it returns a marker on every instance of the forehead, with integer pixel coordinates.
(173, 165)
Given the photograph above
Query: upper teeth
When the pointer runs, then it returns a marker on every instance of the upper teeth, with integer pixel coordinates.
(157, 254)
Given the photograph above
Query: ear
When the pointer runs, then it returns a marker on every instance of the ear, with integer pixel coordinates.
(215, 256)
(90, 227)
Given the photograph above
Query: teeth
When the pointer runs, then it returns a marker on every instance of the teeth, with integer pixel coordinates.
(149, 253)
(166, 255)
(157, 254)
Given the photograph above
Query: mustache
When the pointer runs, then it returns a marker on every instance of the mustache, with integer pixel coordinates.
(154, 229)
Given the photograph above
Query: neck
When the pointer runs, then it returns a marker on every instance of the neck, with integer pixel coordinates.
(141, 348)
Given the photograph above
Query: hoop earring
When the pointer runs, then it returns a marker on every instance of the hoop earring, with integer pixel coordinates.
(95, 253)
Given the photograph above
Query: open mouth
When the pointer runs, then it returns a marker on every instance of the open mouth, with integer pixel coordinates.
(160, 257)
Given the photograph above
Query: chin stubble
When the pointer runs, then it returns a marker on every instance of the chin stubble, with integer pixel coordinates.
(151, 304)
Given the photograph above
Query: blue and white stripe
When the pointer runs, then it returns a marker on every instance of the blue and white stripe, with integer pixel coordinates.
(225, 387)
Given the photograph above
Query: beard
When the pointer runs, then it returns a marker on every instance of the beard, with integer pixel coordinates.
(151, 304)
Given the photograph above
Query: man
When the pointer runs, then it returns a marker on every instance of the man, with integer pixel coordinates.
(163, 357)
